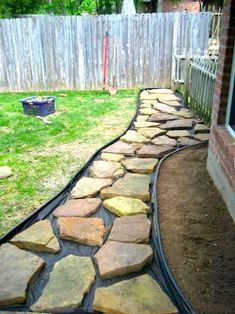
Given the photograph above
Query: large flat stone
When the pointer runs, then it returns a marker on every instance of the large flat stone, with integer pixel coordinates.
(179, 133)
(88, 231)
(147, 111)
(152, 151)
(88, 187)
(112, 157)
(131, 185)
(186, 141)
(5, 172)
(17, 270)
(139, 295)
(134, 137)
(78, 208)
(69, 280)
(162, 117)
(177, 124)
(165, 97)
(201, 128)
(106, 169)
(145, 124)
(151, 132)
(140, 165)
(202, 137)
(164, 140)
(147, 96)
(125, 206)
(39, 237)
(120, 148)
(142, 118)
(173, 103)
(160, 91)
(164, 108)
(116, 258)
(184, 113)
(131, 229)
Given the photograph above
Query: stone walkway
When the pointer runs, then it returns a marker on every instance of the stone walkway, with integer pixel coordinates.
(118, 184)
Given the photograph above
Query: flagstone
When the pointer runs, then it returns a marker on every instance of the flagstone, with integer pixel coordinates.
(134, 137)
(146, 105)
(78, 208)
(177, 124)
(185, 141)
(184, 113)
(202, 137)
(5, 172)
(117, 258)
(69, 280)
(147, 111)
(145, 124)
(120, 148)
(164, 140)
(179, 133)
(112, 157)
(18, 269)
(148, 96)
(152, 151)
(165, 97)
(39, 237)
(140, 165)
(162, 117)
(142, 118)
(126, 206)
(106, 169)
(160, 91)
(201, 128)
(151, 132)
(131, 185)
(88, 187)
(173, 103)
(164, 108)
(139, 295)
(131, 229)
(88, 231)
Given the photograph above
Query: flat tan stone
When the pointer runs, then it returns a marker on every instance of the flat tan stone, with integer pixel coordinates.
(165, 97)
(121, 148)
(146, 105)
(173, 103)
(151, 132)
(5, 172)
(147, 101)
(148, 97)
(106, 169)
(179, 133)
(201, 128)
(131, 185)
(142, 118)
(202, 137)
(126, 206)
(164, 141)
(145, 124)
(186, 141)
(88, 231)
(134, 137)
(162, 117)
(184, 113)
(152, 151)
(116, 258)
(177, 124)
(78, 208)
(112, 157)
(139, 295)
(161, 91)
(70, 279)
(88, 187)
(140, 165)
(131, 229)
(147, 111)
(18, 268)
(164, 108)
(39, 237)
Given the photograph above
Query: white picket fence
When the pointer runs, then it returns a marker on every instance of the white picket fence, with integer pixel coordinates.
(65, 52)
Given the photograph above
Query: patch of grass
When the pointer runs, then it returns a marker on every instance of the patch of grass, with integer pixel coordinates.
(43, 157)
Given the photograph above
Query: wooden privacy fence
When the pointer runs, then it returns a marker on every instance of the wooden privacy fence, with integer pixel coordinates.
(201, 86)
(65, 52)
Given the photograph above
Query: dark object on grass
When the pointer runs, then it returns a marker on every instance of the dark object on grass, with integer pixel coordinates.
(39, 105)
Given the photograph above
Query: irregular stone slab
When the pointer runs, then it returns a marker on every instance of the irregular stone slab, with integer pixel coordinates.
(160, 91)
(165, 97)
(106, 169)
(147, 111)
(131, 185)
(116, 258)
(142, 118)
(152, 151)
(134, 137)
(162, 117)
(185, 141)
(145, 124)
(5, 172)
(131, 229)
(180, 133)
(88, 187)
(164, 140)
(18, 268)
(78, 208)
(69, 280)
(202, 137)
(173, 103)
(148, 97)
(112, 157)
(177, 124)
(164, 108)
(140, 165)
(88, 231)
(146, 105)
(39, 237)
(151, 132)
(184, 113)
(125, 206)
(120, 148)
(134, 296)
(201, 128)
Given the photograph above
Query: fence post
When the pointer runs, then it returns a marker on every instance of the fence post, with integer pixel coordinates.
(187, 62)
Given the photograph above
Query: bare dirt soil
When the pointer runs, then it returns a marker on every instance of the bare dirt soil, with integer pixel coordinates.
(197, 232)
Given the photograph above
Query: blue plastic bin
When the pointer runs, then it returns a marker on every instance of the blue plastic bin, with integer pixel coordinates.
(39, 105)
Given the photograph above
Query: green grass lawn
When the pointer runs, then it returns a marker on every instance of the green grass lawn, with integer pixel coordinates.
(43, 157)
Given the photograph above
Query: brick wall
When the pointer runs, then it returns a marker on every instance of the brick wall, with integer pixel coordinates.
(222, 144)
(189, 5)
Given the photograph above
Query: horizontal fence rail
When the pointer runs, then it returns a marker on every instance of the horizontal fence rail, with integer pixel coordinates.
(66, 52)
(201, 87)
